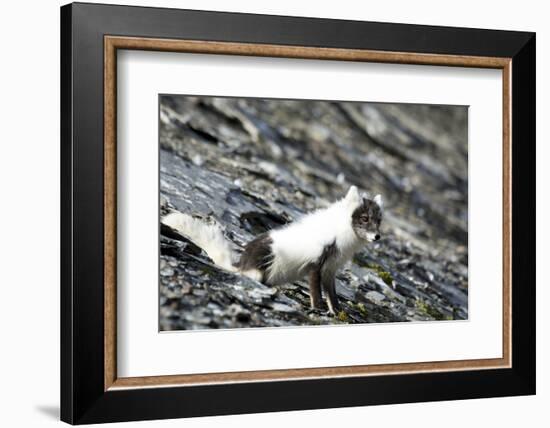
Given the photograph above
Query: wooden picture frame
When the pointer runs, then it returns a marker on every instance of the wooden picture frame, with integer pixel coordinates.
(91, 391)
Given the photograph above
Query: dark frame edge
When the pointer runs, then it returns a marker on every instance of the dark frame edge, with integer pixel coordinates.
(66, 304)
(523, 220)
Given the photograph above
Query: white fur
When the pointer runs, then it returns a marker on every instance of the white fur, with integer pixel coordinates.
(207, 236)
(378, 200)
(302, 242)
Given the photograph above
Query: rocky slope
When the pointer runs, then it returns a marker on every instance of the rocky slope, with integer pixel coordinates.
(256, 164)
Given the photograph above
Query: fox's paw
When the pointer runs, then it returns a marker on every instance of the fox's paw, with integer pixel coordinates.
(333, 308)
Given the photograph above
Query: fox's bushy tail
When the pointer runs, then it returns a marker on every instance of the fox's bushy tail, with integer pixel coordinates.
(207, 236)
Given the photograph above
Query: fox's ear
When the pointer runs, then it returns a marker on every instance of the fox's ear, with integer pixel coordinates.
(352, 196)
(378, 200)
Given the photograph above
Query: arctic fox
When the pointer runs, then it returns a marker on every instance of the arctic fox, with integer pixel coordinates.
(318, 244)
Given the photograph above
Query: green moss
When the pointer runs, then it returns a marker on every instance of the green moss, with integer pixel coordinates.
(342, 316)
(361, 308)
(383, 274)
(386, 277)
(428, 310)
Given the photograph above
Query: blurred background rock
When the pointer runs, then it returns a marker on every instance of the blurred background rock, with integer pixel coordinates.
(254, 164)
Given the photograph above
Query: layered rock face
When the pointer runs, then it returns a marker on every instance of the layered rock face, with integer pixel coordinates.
(254, 164)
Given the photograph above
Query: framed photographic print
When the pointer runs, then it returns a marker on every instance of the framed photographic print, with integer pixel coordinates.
(266, 213)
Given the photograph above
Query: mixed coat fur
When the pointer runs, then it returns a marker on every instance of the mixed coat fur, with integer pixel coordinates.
(316, 245)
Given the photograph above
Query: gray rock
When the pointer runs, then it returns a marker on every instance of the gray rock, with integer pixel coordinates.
(375, 296)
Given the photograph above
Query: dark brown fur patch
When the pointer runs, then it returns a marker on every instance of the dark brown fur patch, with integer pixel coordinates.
(257, 254)
(328, 252)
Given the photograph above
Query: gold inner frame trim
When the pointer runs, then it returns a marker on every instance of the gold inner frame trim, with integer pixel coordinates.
(113, 43)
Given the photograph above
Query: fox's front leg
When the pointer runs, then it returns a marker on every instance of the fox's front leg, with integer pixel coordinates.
(315, 288)
(329, 288)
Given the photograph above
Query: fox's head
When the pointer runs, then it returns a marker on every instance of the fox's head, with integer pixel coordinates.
(366, 215)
